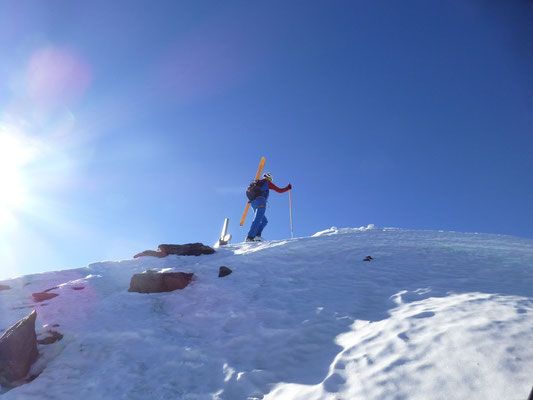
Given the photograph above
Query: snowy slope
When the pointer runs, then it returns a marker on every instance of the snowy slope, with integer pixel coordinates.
(435, 315)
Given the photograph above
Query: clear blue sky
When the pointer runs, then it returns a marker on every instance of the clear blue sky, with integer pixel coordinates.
(125, 124)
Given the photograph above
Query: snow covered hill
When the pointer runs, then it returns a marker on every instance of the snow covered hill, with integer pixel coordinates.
(434, 315)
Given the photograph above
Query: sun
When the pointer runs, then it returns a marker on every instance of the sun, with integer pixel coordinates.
(14, 155)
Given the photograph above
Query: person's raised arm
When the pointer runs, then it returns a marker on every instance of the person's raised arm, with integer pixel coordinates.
(277, 189)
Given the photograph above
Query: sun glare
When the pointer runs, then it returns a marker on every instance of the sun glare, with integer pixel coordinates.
(13, 156)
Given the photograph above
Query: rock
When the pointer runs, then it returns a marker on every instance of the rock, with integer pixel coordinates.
(42, 296)
(161, 282)
(78, 287)
(151, 253)
(54, 337)
(4, 287)
(189, 249)
(368, 258)
(224, 271)
(18, 350)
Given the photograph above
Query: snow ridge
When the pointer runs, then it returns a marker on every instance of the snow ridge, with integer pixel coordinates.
(433, 315)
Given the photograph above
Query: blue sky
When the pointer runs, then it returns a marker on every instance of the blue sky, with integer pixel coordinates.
(127, 124)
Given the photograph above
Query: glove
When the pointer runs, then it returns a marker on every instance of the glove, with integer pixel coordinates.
(289, 186)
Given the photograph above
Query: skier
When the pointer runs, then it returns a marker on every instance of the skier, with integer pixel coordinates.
(259, 206)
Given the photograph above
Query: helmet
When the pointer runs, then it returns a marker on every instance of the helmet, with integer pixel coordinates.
(268, 176)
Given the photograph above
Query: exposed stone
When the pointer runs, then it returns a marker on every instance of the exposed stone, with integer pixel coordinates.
(18, 350)
(159, 282)
(52, 338)
(224, 271)
(78, 287)
(42, 296)
(4, 287)
(151, 253)
(189, 249)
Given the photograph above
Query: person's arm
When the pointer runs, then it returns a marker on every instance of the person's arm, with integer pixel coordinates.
(277, 189)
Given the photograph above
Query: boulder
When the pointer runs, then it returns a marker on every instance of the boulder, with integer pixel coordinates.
(159, 282)
(224, 271)
(4, 287)
(18, 350)
(189, 249)
(151, 253)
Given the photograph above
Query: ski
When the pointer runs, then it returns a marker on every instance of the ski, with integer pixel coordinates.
(257, 176)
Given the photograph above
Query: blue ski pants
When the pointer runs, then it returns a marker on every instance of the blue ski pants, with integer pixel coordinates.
(260, 221)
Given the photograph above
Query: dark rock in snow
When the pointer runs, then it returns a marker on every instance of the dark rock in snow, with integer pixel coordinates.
(78, 287)
(368, 258)
(189, 249)
(4, 287)
(54, 337)
(18, 350)
(42, 296)
(151, 253)
(162, 282)
(224, 271)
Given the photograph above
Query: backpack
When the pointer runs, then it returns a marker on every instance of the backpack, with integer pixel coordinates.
(254, 189)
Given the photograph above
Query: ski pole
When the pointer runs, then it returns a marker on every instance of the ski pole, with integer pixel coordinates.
(290, 211)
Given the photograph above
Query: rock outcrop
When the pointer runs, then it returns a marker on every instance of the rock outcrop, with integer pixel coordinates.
(159, 282)
(18, 350)
(189, 249)
(4, 287)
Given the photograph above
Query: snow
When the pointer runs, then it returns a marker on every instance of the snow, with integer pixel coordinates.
(434, 315)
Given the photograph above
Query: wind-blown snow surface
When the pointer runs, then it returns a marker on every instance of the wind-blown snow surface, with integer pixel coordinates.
(435, 315)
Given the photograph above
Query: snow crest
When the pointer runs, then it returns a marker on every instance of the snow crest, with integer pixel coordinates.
(431, 315)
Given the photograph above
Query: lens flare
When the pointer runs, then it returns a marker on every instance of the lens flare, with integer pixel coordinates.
(57, 77)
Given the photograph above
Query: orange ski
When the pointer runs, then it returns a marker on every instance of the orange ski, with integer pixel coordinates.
(257, 176)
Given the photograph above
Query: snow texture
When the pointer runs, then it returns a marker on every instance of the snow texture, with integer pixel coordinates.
(434, 315)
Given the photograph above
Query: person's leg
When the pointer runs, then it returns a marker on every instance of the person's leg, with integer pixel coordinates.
(259, 215)
(262, 225)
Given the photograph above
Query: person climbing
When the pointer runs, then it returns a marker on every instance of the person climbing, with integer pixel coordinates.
(259, 206)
